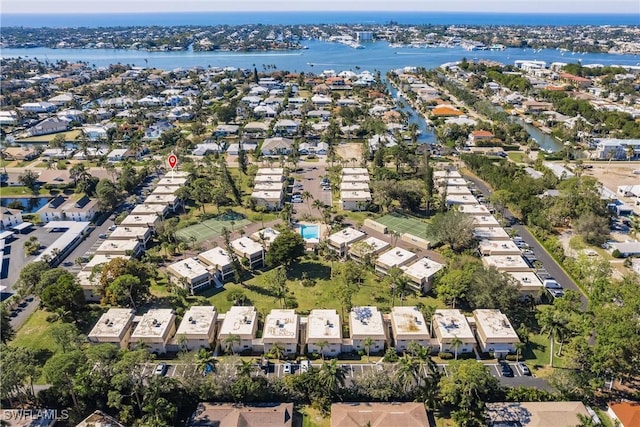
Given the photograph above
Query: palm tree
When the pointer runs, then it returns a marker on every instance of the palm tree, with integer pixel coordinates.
(519, 347)
(554, 326)
(331, 376)
(306, 196)
(276, 351)
(318, 204)
(408, 371)
(322, 344)
(456, 342)
(368, 342)
(286, 213)
(245, 368)
(204, 359)
(230, 342)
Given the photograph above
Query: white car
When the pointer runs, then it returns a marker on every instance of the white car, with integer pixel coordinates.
(286, 368)
(304, 366)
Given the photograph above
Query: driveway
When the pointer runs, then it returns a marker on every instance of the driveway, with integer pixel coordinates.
(550, 265)
(310, 178)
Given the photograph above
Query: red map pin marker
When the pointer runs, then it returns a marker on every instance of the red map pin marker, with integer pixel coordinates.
(173, 161)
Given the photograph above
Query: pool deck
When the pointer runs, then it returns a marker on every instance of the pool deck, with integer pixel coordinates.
(321, 231)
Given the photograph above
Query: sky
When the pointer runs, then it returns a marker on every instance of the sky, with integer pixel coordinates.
(141, 6)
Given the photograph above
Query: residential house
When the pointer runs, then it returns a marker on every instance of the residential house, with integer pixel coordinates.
(282, 327)
(155, 130)
(324, 332)
(191, 274)
(266, 236)
(49, 126)
(155, 330)
(446, 111)
(242, 415)
(379, 414)
(99, 419)
(367, 322)
(276, 146)
(114, 327)
(95, 132)
(494, 332)
(61, 208)
(239, 327)
(536, 106)
(480, 135)
(19, 153)
(249, 249)
(421, 273)
(341, 240)
(618, 149)
(285, 127)
(198, 328)
(224, 131)
(9, 218)
(626, 414)
(535, 414)
(39, 107)
(450, 326)
(408, 325)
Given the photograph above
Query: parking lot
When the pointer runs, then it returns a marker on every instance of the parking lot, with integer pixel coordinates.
(310, 179)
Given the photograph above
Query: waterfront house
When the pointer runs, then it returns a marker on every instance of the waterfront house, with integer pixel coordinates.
(9, 218)
(49, 126)
(61, 208)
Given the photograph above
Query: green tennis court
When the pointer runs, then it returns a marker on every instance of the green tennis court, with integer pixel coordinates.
(209, 229)
(404, 224)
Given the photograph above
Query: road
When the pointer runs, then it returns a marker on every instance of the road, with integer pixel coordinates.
(551, 267)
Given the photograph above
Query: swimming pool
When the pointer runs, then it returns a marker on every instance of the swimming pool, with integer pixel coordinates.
(309, 232)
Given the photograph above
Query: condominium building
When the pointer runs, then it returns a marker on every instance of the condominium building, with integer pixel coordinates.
(422, 273)
(324, 332)
(281, 327)
(191, 274)
(494, 332)
(155, 330)
(408, 325)
(341, 240)
(197, 329)
(114, 327)
(367, 322)
(452, 331)
(395, 257)
(238, 328)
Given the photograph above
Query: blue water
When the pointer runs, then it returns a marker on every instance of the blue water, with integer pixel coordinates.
(309, 232)
(317, 17)
(31, 204)
(319, 56)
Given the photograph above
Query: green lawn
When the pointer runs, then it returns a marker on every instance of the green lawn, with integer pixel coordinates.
(517, 156)
(537, 354)
(20, 191)
(402, 223)
(70, 136)
(34, 333)
(322, 295)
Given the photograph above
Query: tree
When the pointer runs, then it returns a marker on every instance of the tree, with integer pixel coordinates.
(553, 324)
(30, 276)
(108, 194)
(6, 330)
(367, 343)
(408, 372)
(67, 336)
(65, 296)
(331, 376)
(231, 341)
(453, 228)
(60, 371)
(286, 249)
(593, 228)
(125, 292)
(276, 281)
(307, 196)
(30, 180)
(467, 387)
(456, 342)
(277, 351)
(201, 191)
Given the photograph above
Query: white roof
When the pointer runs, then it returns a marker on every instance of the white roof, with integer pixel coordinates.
(268, 178)
(268, 186)
(246, 246)
(73, 229)
(355, 195)
(366, 322)
(267, 195)
(146, 209)
(198, 320)
(444, 174)
(485, 221)
(373, 245)
(474, 209)
(216, 257)
(491, 233)
(527, 279)
(161, 199)
(424, 268)
(506, 262)
(115, 246)
(129, 232)
(281, 325)
(113, 324)
(355, 178)
(461, 199)
(270, 171)
(498, 247)
(99, 259)
(165, 189)
(240, 321)
(189, 268)
(452, 323)
(408, 321)
(324, 324)
(139, 220)
(355, 171)
(395, 257)
(494, 324)
(267, 234)
(154, 324)
(354, 185)
(173, 181)
(455, 190)
(346, 236)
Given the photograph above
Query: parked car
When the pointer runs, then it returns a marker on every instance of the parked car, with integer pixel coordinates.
(524, 368)
(102, 236)
(550, 283)
(161, 369)
(556, 293)
(286, 368)
(305, 365)
(506, 369)
(264, 365)
(113, 227)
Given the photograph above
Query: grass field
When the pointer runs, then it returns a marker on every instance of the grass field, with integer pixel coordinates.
(404, 224)
(69, 136)
(209, 229)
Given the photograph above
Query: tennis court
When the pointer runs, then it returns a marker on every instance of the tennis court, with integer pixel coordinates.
(209, 229)
(404, 224)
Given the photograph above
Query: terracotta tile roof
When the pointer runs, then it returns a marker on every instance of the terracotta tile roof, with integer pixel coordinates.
(485, 133)
(444, 110)
(628, 413)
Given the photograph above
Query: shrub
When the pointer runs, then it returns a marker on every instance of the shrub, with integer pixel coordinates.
(616, 254)
(390, 356)
(445, 355)
(511, 357)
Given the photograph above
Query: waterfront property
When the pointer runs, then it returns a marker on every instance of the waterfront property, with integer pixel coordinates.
(114, 327)
(408, 325)
(452, 331)
(494, 332)
(197, 329)
(367, 322)
(155, 329)
(281, 327)
(324, 332)
(61, 208)
(239, 327)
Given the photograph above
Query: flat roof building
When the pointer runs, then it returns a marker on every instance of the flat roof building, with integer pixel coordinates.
(408, 325)
(491, 233)
(448, 324)
(354, 200)
(474, 210)
(444, 174)
(271, 200)
(242, 322)
(458, 190)
(266, 236)
(367, 322)
(355, 178)
(253, 251)
(150, 209)
(270, 171)
(131, 247)
(422, 273)
(100, 259)
(198, 328)
(324, 326)
(354, 186)
(485, 221)
(220, 260)
(173, 181)
(498, 247)
(132, 220)
(113, 327)
(340, 240)
(504, 263)
(164, 189)
(355, 171)
(269, 178)
(155, 329)
(494, 332)
(281, 327)
(371, 246)
(191, 274)
(461, 199)
(395, 257)
(171, 201)
(268, 186)
(141, 234)
(529, 282)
